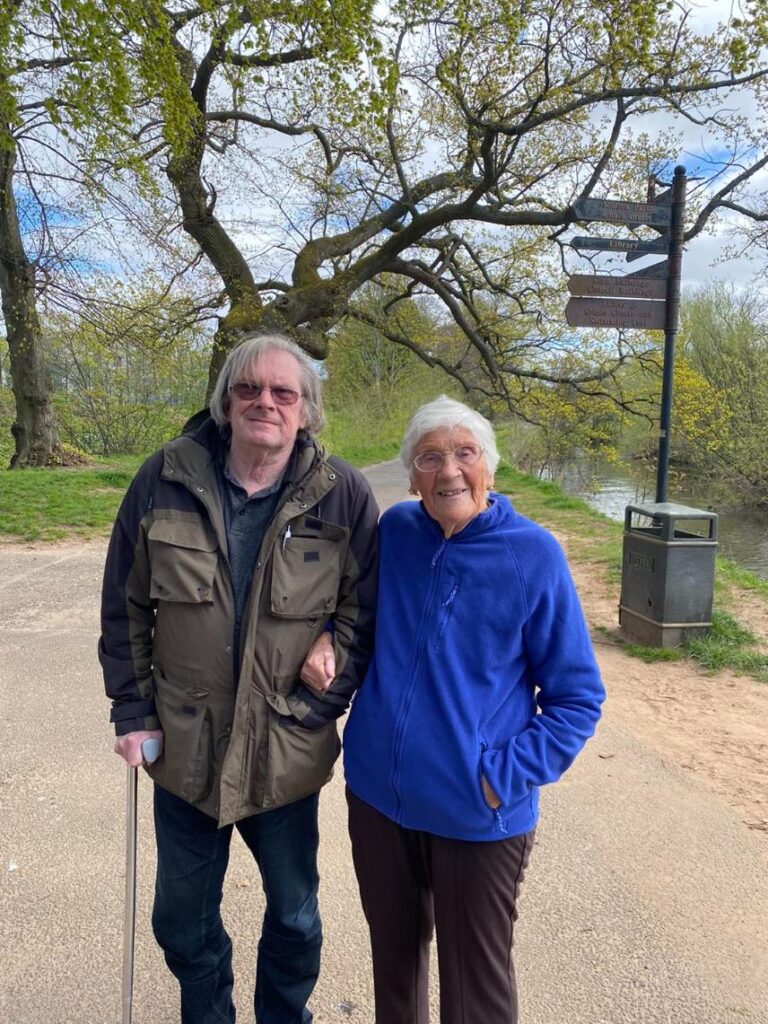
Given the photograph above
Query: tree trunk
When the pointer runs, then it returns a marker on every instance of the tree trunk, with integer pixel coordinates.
(34, 429)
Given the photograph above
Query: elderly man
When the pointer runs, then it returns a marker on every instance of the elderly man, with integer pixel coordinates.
(233, 549)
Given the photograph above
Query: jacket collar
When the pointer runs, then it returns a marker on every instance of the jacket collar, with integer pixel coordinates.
(191, 461)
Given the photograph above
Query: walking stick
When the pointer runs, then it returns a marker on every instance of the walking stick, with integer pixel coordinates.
(151, 750)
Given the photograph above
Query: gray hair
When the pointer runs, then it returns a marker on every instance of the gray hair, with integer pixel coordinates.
(249, 351)
(443, 414)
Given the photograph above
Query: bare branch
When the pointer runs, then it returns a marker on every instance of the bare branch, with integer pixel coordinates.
(271, 60)
(720, 198)
(271, 124)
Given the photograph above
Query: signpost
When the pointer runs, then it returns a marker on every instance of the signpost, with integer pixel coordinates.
(658, 271)
(657, 245)
(649, 298)
(677, 235)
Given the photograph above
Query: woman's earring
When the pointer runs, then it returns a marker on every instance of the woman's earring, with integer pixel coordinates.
(412, 490)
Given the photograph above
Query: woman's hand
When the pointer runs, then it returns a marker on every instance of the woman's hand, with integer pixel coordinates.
(319, 668)
(490, 797)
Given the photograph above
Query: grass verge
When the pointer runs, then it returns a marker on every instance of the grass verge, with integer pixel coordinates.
(53, 504)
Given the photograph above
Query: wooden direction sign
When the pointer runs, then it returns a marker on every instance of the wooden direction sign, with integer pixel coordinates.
(614, 211)
(657, 271)
(616, 313)
(634, 246)
(658, 245)
(629, 287)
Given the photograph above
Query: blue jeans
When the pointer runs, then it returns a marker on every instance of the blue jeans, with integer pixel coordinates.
(192, 858)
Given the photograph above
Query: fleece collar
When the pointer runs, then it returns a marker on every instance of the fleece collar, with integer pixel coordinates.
(499, 511)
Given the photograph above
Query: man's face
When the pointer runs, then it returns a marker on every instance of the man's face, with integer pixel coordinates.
(261, 425)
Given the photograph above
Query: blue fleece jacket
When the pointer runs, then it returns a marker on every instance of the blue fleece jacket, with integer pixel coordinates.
(483, 665)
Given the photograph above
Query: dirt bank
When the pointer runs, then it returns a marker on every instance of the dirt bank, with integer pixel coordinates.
(713, 725)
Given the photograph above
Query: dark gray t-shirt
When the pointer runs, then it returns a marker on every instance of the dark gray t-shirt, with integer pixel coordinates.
(246, 520)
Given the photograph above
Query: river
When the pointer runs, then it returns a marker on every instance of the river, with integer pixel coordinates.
(742, 531)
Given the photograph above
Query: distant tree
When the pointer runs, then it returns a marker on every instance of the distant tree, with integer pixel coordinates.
(74, 196)
(724, 340)
(374, 387)
(130, 375)
(34, 427)
(6, 408)
(62, 72)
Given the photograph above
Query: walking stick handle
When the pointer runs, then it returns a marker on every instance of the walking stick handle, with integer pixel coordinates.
(151, 750)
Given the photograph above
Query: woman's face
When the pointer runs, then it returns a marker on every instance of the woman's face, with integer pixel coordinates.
(454, 494)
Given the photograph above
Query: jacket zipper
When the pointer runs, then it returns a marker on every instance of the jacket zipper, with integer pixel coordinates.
(446, 614)
(407, 697)
(499, 823)
(202, 495)
(438, 553)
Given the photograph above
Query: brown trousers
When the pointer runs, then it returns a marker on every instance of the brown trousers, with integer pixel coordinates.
(412, 883)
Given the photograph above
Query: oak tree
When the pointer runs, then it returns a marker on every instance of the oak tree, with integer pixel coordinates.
(317, 146)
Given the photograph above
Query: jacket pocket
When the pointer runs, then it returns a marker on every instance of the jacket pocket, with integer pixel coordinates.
(522, 789)
(299, 761)
(306, 569)
(183, 556)
(186, 766)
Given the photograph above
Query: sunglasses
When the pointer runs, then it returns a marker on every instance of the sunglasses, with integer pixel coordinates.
(280, 395)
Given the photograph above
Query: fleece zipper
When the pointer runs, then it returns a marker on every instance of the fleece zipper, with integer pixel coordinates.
(436, 565)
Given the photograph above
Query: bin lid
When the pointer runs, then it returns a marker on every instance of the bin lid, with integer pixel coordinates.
(671, 510)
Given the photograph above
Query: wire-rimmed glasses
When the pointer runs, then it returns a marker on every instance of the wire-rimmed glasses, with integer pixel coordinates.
(432, 461)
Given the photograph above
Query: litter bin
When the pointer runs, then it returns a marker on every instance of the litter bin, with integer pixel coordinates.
(668, 572)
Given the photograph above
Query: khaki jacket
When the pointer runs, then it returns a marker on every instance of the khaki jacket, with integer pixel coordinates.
(234, 744)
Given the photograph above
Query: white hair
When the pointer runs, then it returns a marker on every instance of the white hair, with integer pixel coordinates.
(248, 352)
(444, 414)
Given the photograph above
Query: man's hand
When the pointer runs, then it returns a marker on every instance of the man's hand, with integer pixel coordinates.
(319, 668)
(129, 746)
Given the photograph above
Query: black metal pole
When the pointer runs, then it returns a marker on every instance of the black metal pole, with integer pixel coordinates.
(676, 233)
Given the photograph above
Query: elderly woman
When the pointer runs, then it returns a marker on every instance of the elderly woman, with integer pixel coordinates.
(483, 688)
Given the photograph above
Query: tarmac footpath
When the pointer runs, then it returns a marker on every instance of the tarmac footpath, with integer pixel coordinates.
(646, 899)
